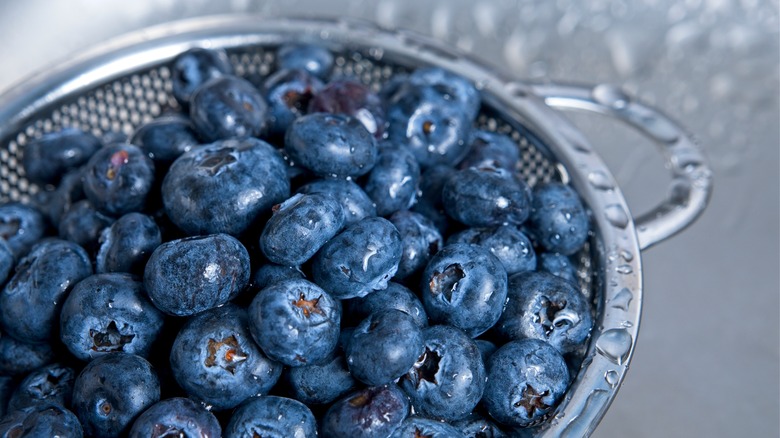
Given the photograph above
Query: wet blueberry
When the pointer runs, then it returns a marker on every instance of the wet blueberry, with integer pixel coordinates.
(44, 420)
(313, 58)
(18, 357)
(465, 286)
(299, 227)
(558, 221)
(370, 412)
(477, 426)
(417, 427)
(354, 201)
(360, 260)
(21, 226)
(111, 391)
(270, 273)
(215, 360)
(321, 384)
(526, 379)
(228, 107)
(331, 145)
(195, 67)
(190, 275)
(383, 347)
(106, 313)
(272, 417)
(429, 202)
(46, 159)
(486, 197)
(224, 187)
(420, 239)
(395, 296)
(392, 184)
(354, 99)
(559, 265)
(545, 307)
(56, 202)
(83, 224)
(288, 93)
(506, 242)
(491, 149)
(451, 87)
(31, 301)
(165, 138)
(52, 384)
(118, 178)
(175, 417)
(295, 322)
(447, 380)
(127, 244)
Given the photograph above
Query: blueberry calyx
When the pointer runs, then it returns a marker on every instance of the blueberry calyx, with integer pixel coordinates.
(232, 356)
(109, 340)
(447, 281)
(531, 400)
(308, 306)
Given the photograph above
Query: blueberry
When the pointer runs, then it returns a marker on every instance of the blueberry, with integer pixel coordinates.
(224, 187)
(320, 384)
(392, 184)
(215, 360)
(190, 275)
(111, 137)
(415, 427)
(18, 357)
(545, 307)
(111, 391)
(52, 384)
(127, 244)
(313, 58)
(272, 417)
(465, 286)
(269, 274)
(165, 138)
(395, 296)
(558, 221)
(195, 67)
(106, 313)
(83, 225)
(506, 242)
(228, 107)
(492, 149)
(118, 178)
(447, 380)
(420, 239)
(486, 197)
(429, 201)
(295, 322)
(477, 426)
(360, 260)
(559, 265)
(526, 379)
(7, 387)
(383, 347)
(31, 301)
(331, 145)
(354, 99)
(453, 88)
(354, 201)
(46, 159)
(45, 420)
(486, 349)
(299, 227)
(288, 93)
(370, 412)
(21, 226)
(69, 191)
(176, 417)
(433, 129)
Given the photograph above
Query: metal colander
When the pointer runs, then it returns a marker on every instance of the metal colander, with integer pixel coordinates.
(125, 83)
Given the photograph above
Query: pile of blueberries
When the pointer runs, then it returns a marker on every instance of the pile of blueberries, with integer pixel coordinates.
(295, 257)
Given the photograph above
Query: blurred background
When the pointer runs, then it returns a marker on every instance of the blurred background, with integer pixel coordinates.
(707, 360)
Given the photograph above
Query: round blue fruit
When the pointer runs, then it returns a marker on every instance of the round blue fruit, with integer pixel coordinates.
(288, 93)
(272, 417)
(21, 226)
(127, 244)
(392, 183)
(395, 296)
(176, 417)
(559, 221)
(228, 107)
(486, 197)
(46, 159)
(165, 138)
(370, 412)
(354, 201)
(195, 67)
(312, 58)
(506, 242)
(118, 179)
(421, 240)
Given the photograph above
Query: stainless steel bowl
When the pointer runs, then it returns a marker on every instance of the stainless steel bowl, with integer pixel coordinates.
(126, 82)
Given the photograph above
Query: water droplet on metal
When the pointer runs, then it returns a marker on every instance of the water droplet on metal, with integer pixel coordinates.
(614, 344)
(600, 181)
(610, 96)
(622, 299)
(581, 423)
(624, 269)
(612, 378)
(626, 254)
(616, 215)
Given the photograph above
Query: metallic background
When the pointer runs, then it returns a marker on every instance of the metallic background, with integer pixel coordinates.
(706, 362)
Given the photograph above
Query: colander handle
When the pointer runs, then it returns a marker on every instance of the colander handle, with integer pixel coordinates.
(691, 176)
